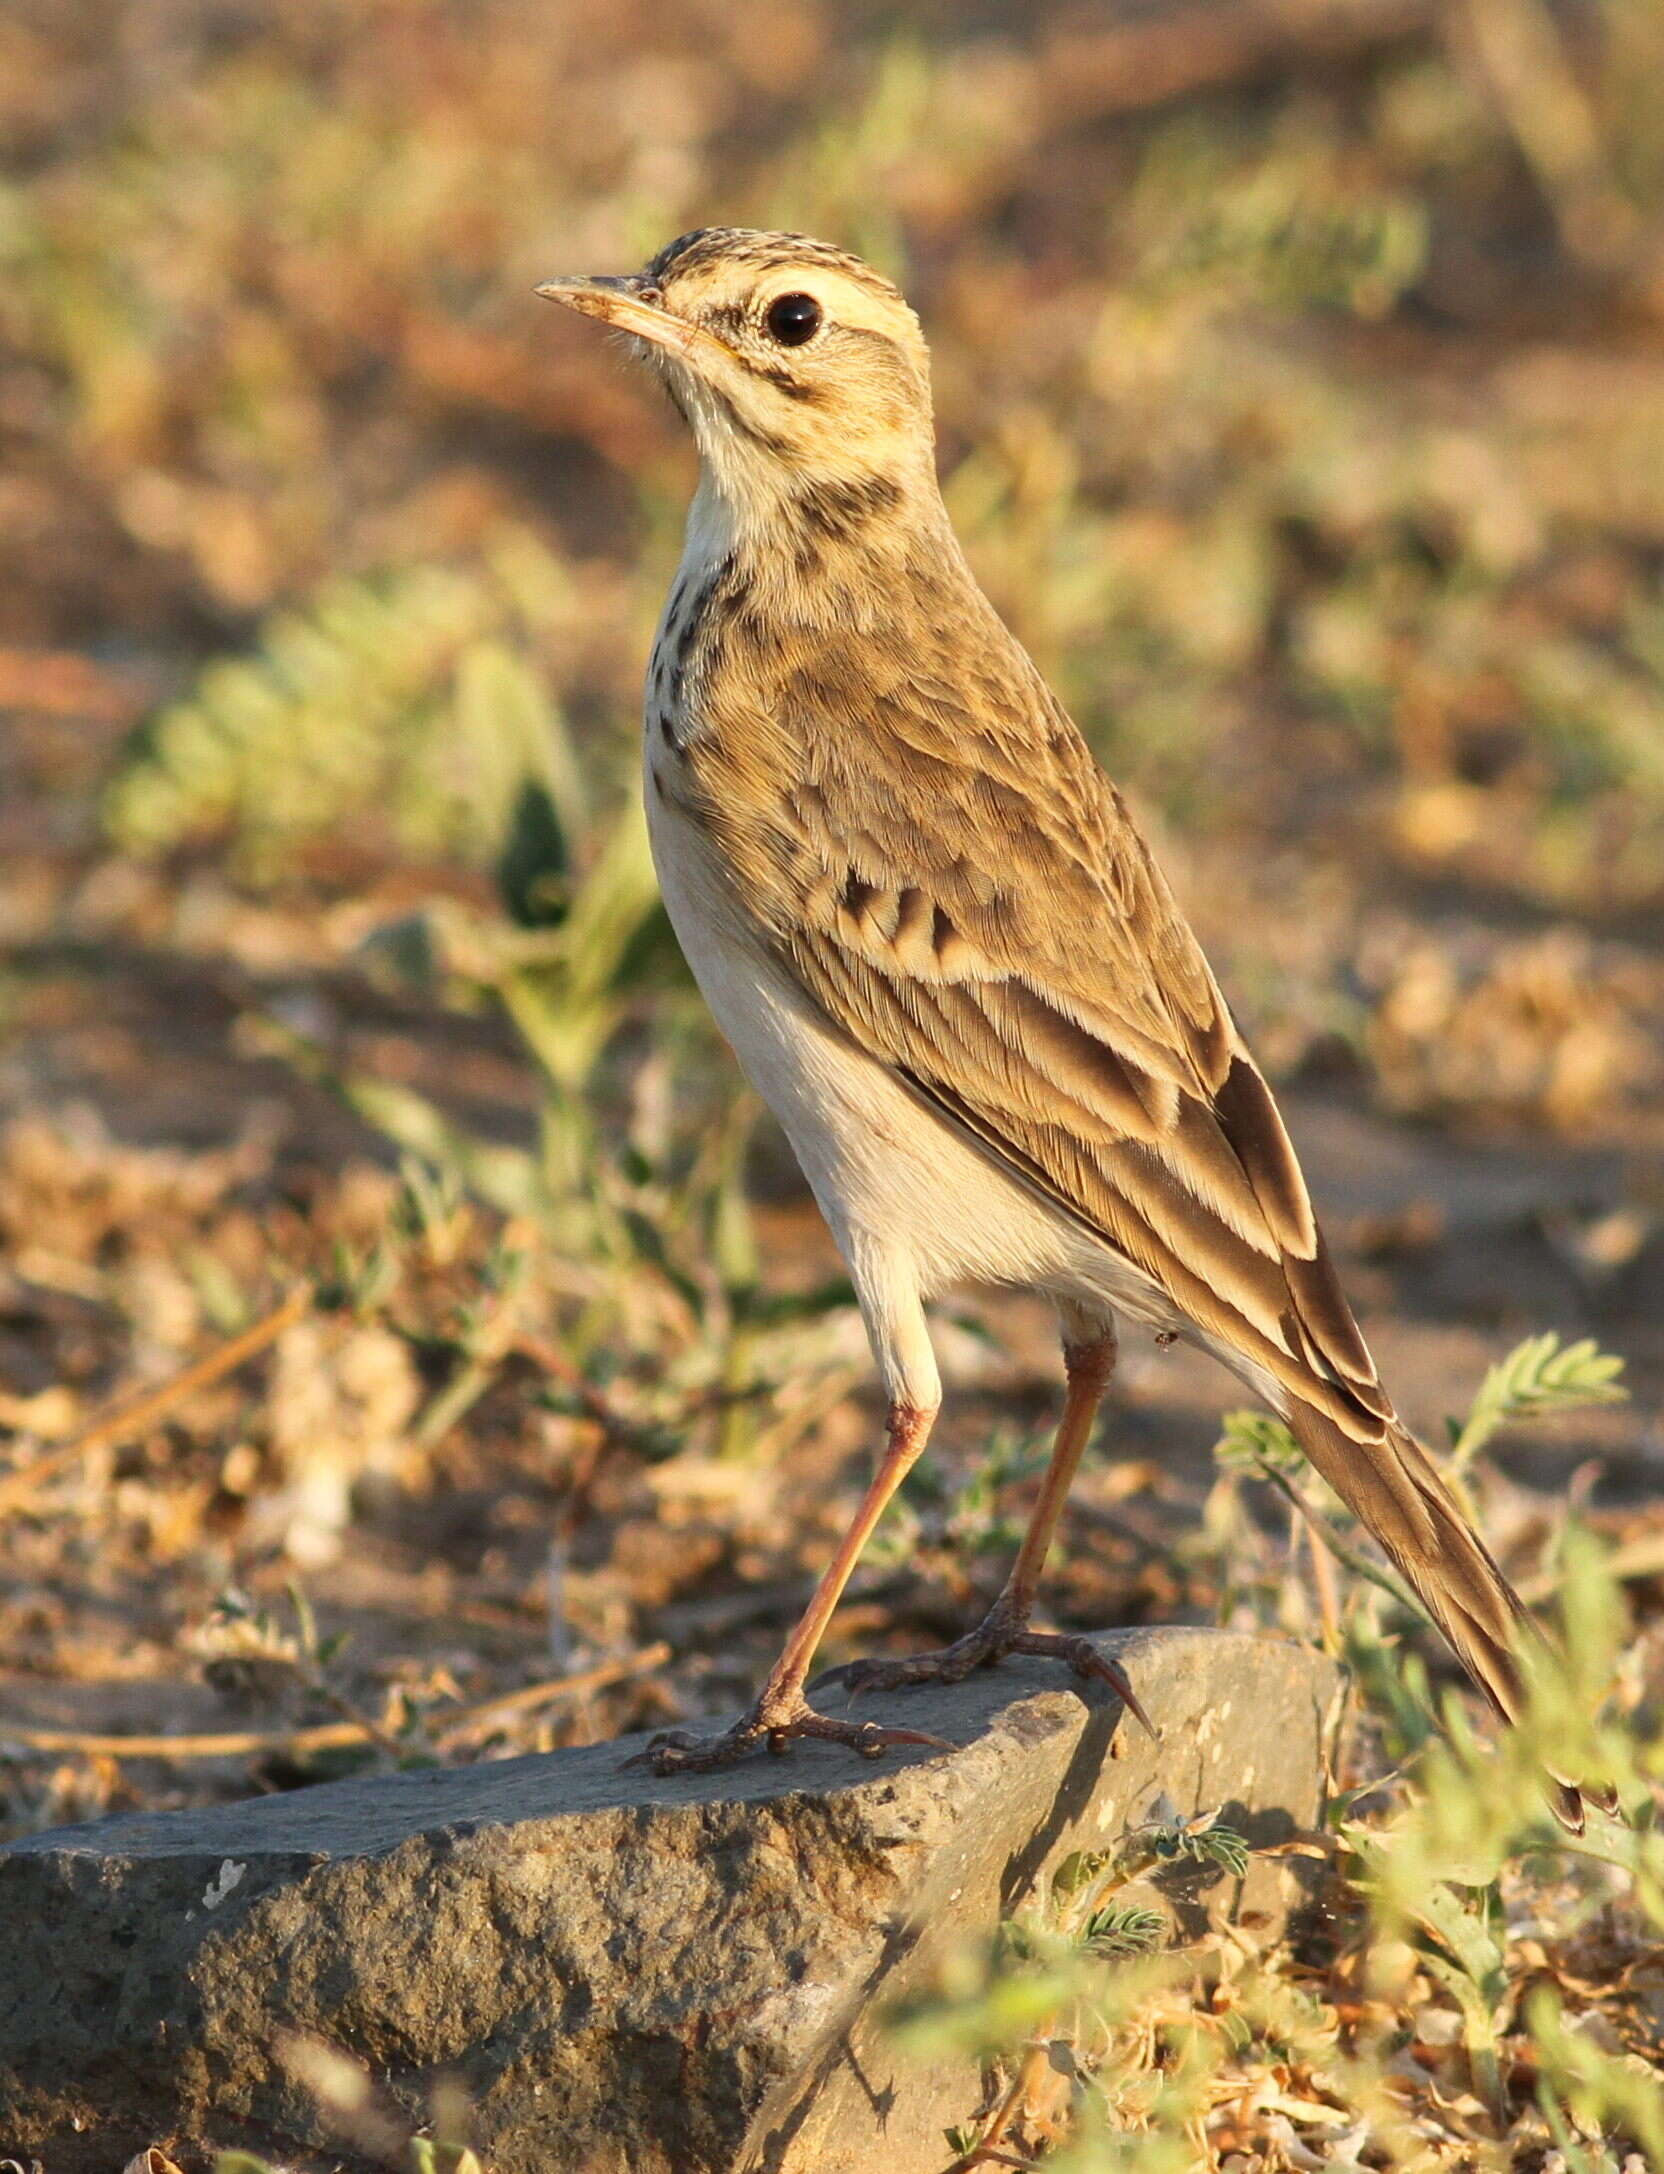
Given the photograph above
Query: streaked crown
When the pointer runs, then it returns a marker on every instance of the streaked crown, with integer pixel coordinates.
(789, 357)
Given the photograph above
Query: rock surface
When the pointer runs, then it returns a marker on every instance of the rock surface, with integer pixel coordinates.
(622, 1972)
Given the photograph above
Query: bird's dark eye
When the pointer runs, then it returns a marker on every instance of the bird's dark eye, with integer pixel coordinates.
(793, 318)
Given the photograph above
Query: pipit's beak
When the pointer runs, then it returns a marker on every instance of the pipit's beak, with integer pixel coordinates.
(631, 304)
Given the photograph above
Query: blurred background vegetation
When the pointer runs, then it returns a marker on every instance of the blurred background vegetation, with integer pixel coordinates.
(1300, 373)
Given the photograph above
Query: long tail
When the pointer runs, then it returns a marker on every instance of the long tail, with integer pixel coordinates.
(1397, 1491)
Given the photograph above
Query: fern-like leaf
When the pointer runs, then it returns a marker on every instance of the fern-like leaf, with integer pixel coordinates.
(1536, 1378)
(408, 694)
(1254, 1441)
(1122, 1929)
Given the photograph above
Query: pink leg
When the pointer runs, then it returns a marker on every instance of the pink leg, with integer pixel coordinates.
(1089, 1365)
(782, 1711)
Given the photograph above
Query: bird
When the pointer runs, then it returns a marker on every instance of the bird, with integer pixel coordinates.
(941, 949)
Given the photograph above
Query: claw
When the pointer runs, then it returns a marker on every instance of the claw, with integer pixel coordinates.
(679, 1751)
(662, 1740)
(1085, 1659)
(982, 1648)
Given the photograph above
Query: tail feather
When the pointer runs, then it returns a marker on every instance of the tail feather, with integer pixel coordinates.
(1397, 1491)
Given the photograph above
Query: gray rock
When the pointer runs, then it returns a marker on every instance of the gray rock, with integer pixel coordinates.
(624, 1973)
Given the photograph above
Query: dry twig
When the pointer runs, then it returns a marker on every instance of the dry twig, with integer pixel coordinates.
(144, 1411)
(330, 1735)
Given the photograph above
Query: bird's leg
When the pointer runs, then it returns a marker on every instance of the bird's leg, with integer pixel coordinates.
(1089, 1362)
(782, 1711)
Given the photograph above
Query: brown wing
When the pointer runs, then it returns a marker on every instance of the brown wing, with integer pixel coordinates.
(963, 892)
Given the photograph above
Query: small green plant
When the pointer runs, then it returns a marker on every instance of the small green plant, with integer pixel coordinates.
(1454, 1895)
(348, 2098)
(410, 695)
(422, 2156)
(1117, 1930)
(1537, 1378)
(417, 697)
(1051, 1989)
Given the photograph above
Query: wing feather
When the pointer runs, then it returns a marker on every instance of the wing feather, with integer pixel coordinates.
(960, 889)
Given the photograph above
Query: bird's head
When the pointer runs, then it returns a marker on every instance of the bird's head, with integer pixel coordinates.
(800, 369)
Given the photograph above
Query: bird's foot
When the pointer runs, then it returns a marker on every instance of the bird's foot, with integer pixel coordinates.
(774, 1721)
(1002, 1630)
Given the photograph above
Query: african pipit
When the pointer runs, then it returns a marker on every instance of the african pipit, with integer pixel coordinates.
(939, 946)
